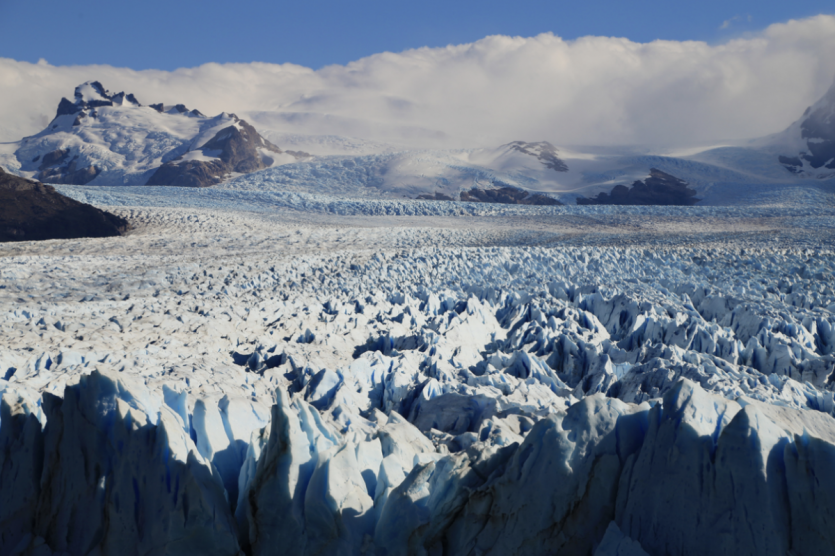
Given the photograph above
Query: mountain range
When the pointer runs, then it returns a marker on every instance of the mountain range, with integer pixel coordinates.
(102, 138)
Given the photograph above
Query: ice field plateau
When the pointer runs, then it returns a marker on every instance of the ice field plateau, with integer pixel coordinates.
(265, 372)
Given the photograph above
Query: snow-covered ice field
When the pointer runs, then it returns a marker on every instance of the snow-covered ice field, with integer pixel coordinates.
(287, 373)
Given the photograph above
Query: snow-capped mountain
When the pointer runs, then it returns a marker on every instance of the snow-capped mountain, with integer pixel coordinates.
(112, 139)
(807, 147)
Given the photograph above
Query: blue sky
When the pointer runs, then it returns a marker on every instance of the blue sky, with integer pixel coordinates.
(156, 34)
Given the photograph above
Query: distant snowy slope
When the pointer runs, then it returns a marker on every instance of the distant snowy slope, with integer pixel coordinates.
(530, 166)
(774, 170)
(112, 139)
(719, 176)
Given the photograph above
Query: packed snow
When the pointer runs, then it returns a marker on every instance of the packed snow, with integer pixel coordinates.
(285, 373)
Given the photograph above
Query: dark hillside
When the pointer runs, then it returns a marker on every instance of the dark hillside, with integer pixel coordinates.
(30, 210)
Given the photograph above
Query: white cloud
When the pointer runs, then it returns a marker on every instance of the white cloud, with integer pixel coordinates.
(729, 22)
(593, 90)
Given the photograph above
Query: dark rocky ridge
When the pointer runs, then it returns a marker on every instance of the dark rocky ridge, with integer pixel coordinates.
(238, 153)
(30, 210)
(659, 188)
(502, 195)
(544, 151)
(435, 197)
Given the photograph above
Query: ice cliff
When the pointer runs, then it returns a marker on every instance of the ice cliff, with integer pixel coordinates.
(694, 473)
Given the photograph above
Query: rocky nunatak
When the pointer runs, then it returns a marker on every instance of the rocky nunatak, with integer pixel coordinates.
(237, 151)
(660, 188)
(30, 210)
(501, 195)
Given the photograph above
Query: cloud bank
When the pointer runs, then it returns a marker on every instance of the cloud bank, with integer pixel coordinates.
(593, 90)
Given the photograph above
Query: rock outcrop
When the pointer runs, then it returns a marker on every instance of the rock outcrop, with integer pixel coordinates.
(237, 149)
(507, 196)
(30, 210)
(544, 151)
(660, 188)
(501, 195)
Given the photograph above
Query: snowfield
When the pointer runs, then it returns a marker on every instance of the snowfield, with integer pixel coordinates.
(269, 372)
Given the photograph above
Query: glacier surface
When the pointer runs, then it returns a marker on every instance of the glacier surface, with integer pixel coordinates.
(278, 373)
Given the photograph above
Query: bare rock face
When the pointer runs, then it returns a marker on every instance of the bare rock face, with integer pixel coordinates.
(237, 149)
(30, 210)
(660, 188)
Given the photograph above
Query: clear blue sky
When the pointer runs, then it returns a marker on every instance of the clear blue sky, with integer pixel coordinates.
(170, 34)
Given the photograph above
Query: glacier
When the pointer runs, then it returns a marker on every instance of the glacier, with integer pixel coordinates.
(284, 373)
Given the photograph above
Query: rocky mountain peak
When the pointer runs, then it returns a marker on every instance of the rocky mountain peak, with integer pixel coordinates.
(108, 138)
(92, 94)
(816, 156)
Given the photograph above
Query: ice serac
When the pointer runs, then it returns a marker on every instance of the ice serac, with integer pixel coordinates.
(615, 543)
(118, 471)
(557, 492)
(21, 460)
(696, 474)
(272, 505)
(719, 477)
